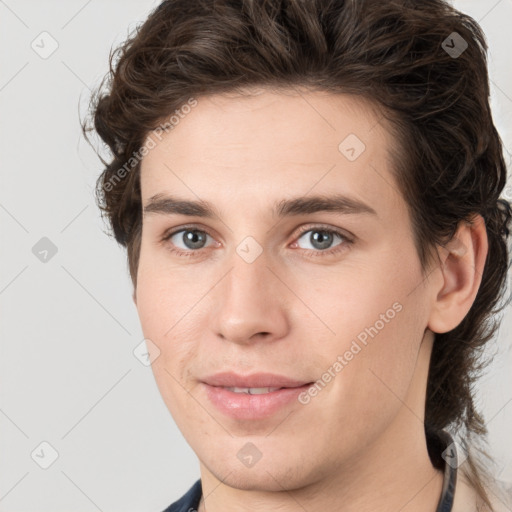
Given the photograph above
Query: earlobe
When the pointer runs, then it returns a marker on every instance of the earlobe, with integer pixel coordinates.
(462, 265)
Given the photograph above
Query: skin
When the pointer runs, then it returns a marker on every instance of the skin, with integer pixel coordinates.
(359, 445)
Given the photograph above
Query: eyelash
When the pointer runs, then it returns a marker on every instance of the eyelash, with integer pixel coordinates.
(345, 240)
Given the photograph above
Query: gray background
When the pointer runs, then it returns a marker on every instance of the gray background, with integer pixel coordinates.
(69, 327)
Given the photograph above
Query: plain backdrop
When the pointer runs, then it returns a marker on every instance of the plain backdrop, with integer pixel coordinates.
(71, 388)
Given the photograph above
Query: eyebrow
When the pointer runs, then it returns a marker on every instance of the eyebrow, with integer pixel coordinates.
(338, 203)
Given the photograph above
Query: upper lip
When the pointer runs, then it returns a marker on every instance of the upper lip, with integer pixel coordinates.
(256, 380)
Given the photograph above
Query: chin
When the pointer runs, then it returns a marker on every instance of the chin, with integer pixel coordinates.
(258, 480)
(270, 474)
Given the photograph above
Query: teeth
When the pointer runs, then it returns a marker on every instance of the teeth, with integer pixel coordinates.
(252, 391)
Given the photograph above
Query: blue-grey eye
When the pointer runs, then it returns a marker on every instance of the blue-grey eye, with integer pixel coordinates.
(190, 238)
(320, 239)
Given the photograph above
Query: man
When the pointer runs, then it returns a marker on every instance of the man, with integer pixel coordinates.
(309, 196)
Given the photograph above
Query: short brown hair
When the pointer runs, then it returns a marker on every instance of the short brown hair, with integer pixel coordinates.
(450, 165)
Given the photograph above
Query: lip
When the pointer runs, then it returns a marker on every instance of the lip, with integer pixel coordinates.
(256, 380)
(243, 406)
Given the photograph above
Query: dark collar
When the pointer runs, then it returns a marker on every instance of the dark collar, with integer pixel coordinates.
(450, 472)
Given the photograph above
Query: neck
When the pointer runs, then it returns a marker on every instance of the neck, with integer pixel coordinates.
(392, 473)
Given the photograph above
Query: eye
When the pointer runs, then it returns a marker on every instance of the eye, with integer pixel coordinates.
(321, 239)
(187, 240)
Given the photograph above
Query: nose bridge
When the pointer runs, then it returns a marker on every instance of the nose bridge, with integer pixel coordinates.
(247, 303)
(249, 262)
(248, 281)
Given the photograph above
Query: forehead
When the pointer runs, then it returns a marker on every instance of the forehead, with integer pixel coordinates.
(270, 145)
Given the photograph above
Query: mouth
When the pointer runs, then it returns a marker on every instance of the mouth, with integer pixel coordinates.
(253, 403)
(252, 391)
(256, 383)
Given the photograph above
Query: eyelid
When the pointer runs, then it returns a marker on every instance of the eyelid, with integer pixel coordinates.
(325, 227)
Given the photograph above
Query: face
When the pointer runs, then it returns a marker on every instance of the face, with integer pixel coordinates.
(277, 281)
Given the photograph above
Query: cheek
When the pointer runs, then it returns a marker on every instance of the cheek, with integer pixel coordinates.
(376, 315)
(360, 296)
(367, 373)
(172, 316)
(162, 307)
(163, 293)
(159, 313)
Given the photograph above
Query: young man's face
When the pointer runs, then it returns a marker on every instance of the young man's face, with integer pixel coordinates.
(256, 292)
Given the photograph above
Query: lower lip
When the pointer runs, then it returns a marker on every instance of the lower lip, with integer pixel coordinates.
(243, 406)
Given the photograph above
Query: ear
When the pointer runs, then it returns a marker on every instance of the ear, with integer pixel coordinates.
(462, 265)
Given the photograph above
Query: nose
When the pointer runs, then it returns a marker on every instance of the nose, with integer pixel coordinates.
(250, 303)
